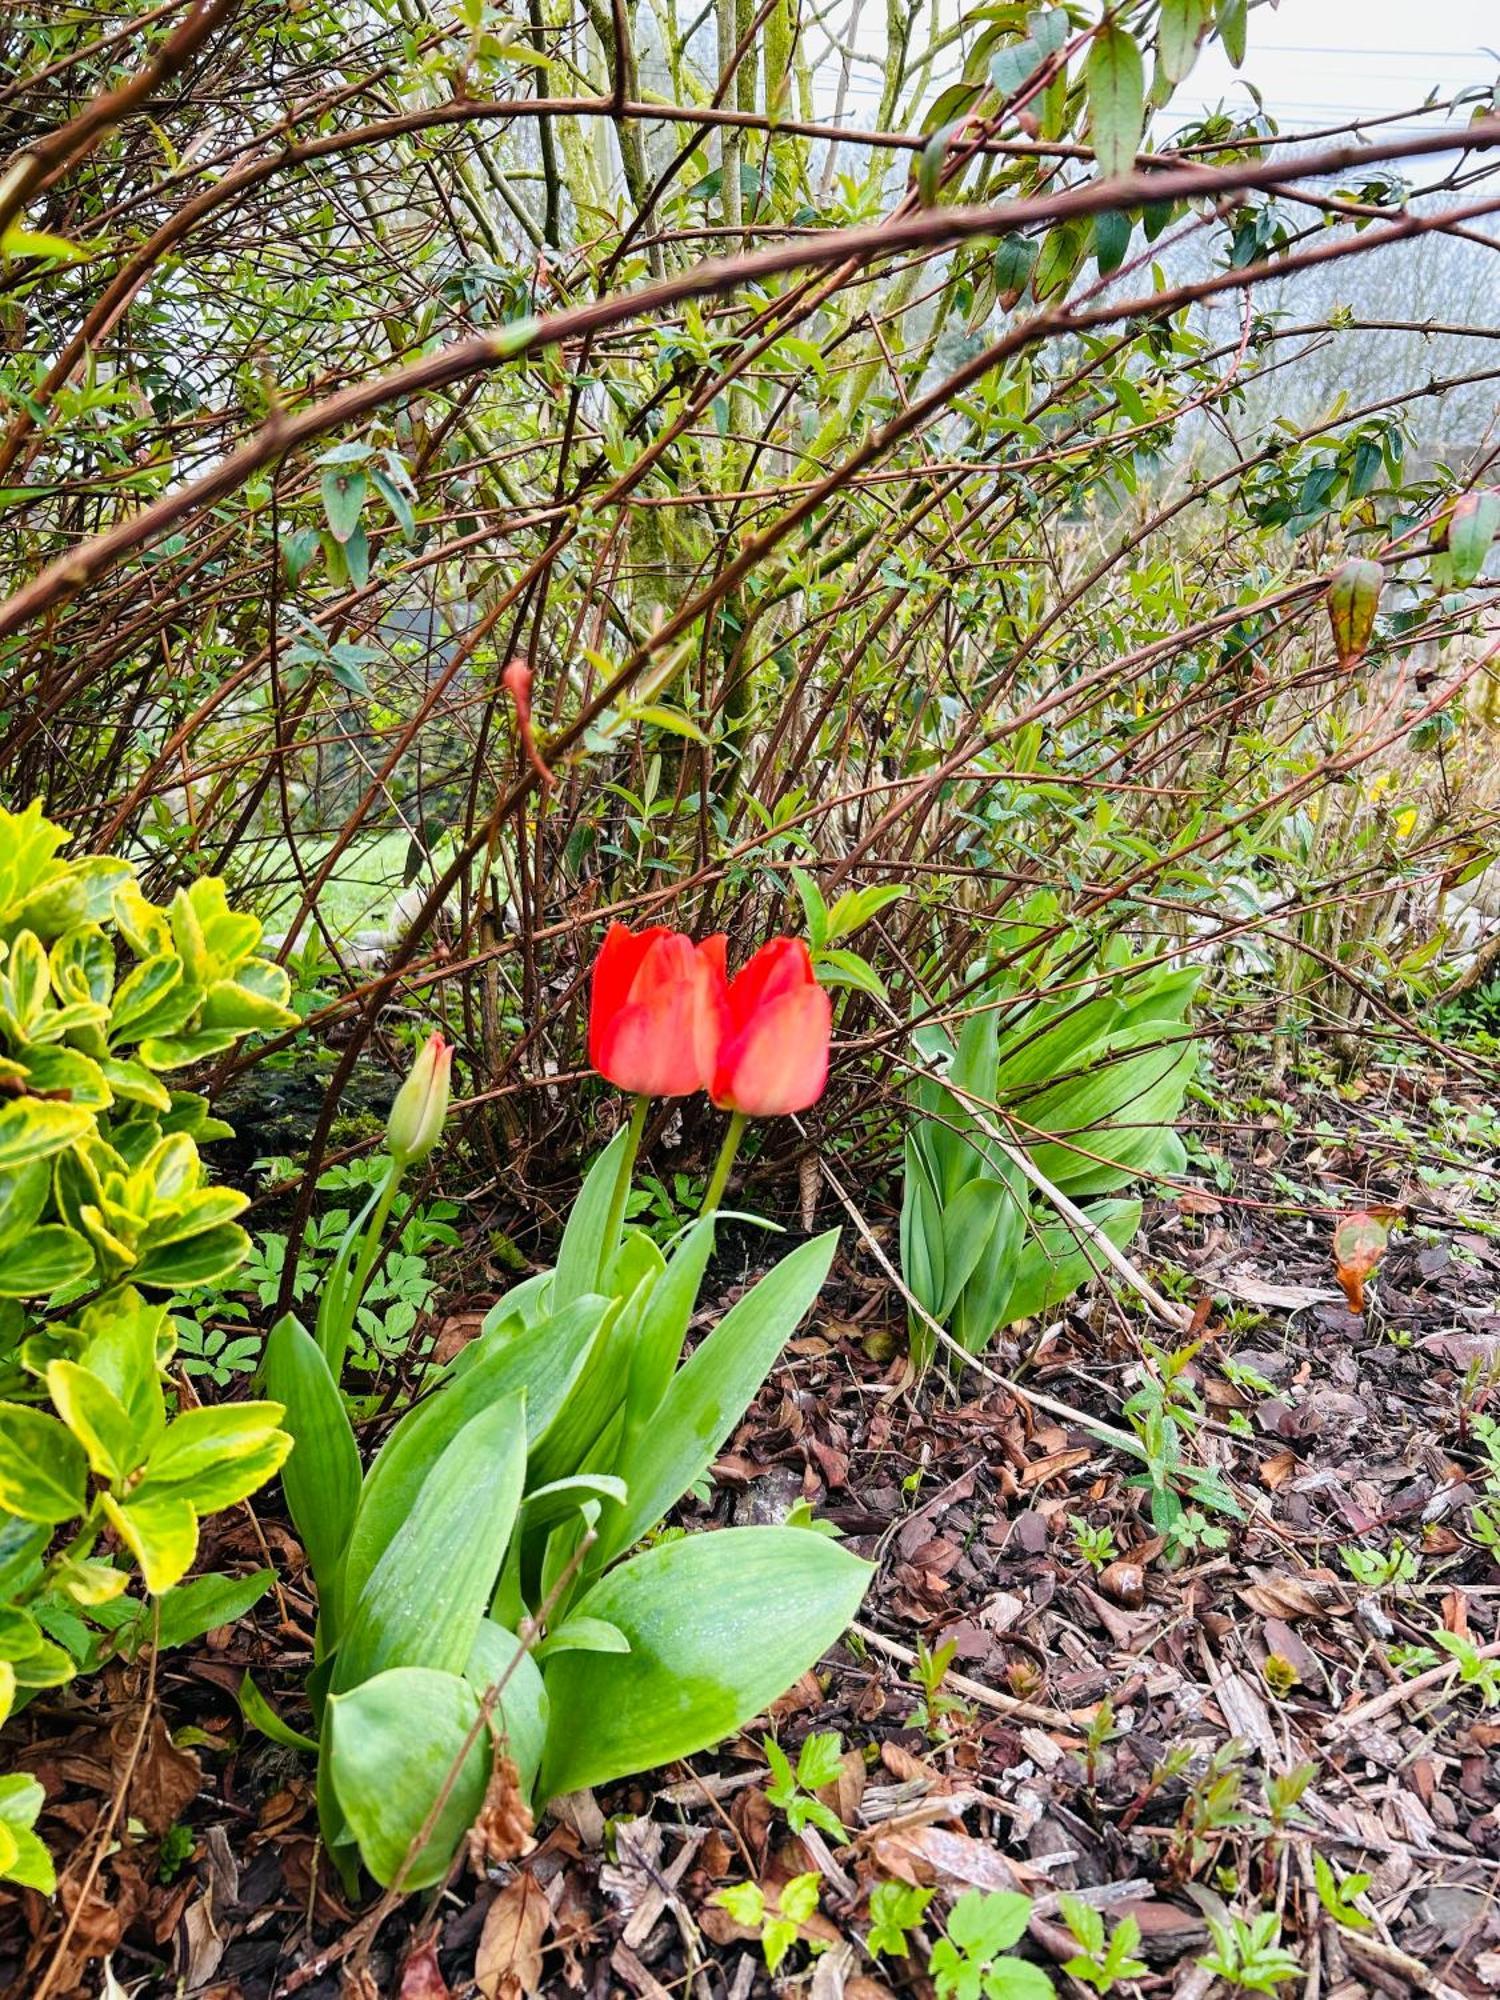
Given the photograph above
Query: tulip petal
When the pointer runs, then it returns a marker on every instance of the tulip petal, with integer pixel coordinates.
(615, 968)
(778, 967)
(778, 1062)
(658, 1013)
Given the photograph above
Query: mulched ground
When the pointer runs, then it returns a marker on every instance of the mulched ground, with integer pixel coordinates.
(1346, 1431)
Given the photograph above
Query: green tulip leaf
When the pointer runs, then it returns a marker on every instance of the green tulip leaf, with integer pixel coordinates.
(321, 1477)
(392, 1743)
(422, 1602)
(718, 1626)
(711, 1392)
(544, 1358)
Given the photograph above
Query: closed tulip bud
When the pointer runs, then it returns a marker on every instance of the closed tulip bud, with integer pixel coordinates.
(1353, 600)
(421, 1104)
(774, 1057)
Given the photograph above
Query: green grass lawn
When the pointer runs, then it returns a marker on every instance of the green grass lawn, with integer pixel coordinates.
(357, 896)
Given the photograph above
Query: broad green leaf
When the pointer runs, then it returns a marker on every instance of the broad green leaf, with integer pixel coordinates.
(712, 1390)
(814, 908)
(921, 1228)
(1471, 533)
(43, 1261)
(126, 1342)
(519, 1714)
(343, 494)
(1181, 28)
(392, 1743)
(718, 1625)
(1111, 240)
(546, 1504)
(321, 1477)
(97, 1418)
(23, 1858)
(161, 1533)
(1051, 1263)
(23, 1195)
(43, 1469)
(664, 1324)
(596, 1395)
(583, 1635)
(1231, 16)
(930, 163)
(215, 1458)
(422, 1602)
(33, 1129)
(196, 1260)
(970, 1220)
(206, 1602)
(837, 967)
(1060, 255)
(153, 998)
(1115, 79)
(1015, 258)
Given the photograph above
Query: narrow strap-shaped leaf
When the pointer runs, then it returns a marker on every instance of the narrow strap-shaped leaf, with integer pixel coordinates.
(711, 1391)
(583, 1253)
(422, 1602)
(321, 1478)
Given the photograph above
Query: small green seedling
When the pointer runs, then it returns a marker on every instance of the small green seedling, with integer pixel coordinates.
(1373, 1569)
(895, 1909)
(778, 1928)
(1249, 1956)
(970, 1962)
(1095, 1546)
(818, 1764)
(1100, 1963)
(929, 1670)
(1337, 1895)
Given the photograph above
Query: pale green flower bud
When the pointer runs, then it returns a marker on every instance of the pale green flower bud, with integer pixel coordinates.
(421, 1104)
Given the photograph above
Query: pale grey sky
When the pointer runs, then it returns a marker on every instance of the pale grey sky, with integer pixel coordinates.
(1320, 62)
(1315, 62)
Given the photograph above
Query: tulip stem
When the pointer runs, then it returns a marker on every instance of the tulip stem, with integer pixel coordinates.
(345, 1286)
(626, 1174)
(725, 1161)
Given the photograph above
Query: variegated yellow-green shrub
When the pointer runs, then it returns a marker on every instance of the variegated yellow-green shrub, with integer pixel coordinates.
(104, 1213)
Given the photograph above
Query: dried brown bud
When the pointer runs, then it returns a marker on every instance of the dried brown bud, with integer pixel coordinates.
(502, 1831)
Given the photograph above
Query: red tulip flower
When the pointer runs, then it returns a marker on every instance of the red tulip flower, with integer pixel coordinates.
(774, 1057)
(657, 1014)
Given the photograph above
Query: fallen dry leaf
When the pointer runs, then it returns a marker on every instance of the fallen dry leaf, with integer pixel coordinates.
(509, 1960)
(1359, 1243)
(165, 1780)
(421, 1978)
